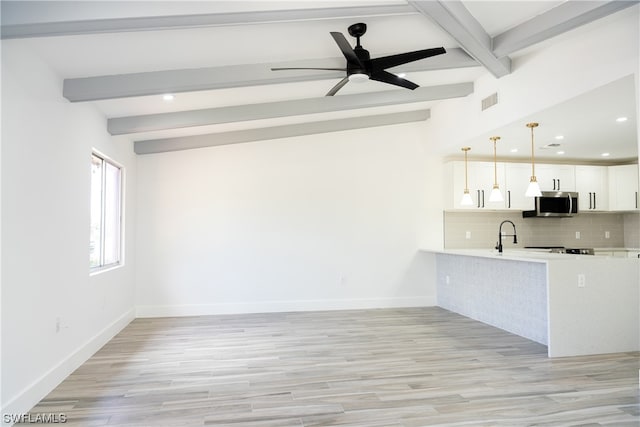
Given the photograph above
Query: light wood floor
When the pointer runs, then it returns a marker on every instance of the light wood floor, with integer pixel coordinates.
(390, 367)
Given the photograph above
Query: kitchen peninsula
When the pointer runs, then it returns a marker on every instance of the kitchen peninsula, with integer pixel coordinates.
(575, 305)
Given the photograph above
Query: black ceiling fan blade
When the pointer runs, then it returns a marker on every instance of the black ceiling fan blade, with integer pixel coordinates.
(338, 86)
(346, 49)
(387, 77)
(403, 58)
(306, 68)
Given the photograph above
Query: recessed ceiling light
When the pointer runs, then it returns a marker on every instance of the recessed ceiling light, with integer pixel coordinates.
(605, 154)
(560, 152)
(559, 136)
(621, 119)
(402, 75)
(168, 97)
(514, 150)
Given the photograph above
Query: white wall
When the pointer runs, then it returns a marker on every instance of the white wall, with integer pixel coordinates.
(319, 222)
(46, 148)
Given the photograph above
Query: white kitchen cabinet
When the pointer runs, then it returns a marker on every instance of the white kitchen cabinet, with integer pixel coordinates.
(556, 177)
(617, 253)
(592, 186)
(623, 187)
(517, 181)
(601, 252)
(480, 178)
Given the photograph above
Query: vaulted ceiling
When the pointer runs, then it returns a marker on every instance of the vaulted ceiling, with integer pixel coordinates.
(216, 57)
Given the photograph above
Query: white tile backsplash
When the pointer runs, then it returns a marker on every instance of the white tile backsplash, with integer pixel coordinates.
(624, 230)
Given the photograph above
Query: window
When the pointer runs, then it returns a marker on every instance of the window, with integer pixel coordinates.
(106, 213)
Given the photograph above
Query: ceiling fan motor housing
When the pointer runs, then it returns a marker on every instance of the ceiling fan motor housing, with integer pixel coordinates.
(365, 59)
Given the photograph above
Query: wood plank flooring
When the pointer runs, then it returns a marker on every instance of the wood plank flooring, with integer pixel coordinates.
(387, 367)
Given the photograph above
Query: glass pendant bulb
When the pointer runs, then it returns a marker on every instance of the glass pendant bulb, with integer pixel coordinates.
(496, 195)
(466, 199)
(533, 190)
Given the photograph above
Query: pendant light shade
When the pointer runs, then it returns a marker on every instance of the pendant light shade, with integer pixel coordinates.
(466, 197)
(533, 190)
(496, 194)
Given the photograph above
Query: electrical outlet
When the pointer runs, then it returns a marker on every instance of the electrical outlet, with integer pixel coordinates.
(467, 235)
(607, 235)
(577, 234)
(581, 281)
(447, 279)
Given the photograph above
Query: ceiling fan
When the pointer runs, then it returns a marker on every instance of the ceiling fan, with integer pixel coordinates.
(360, 66)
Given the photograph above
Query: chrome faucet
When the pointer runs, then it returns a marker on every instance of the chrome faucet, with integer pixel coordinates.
(515, 237)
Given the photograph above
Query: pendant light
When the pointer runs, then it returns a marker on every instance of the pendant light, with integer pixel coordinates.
(534, 188)
(496, 194)
(466, 197)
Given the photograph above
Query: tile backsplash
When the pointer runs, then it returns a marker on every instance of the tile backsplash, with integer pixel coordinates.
(632, 230)
(587, 230)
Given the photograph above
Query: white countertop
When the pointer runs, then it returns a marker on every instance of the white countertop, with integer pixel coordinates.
(617, 249)
(527, 255)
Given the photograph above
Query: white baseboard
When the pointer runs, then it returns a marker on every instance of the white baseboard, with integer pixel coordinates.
(281, 306)
(33, 393)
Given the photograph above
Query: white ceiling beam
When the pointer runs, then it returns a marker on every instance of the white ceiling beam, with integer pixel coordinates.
(562, 18)
(268, 133)
(454, 18)
(188, 80)
(239, 113)
(147, 23)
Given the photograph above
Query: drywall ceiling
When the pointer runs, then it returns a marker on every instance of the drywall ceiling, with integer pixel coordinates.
(587, 128)
(215, 57)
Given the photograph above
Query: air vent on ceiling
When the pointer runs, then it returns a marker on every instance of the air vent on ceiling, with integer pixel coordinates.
(489, 101)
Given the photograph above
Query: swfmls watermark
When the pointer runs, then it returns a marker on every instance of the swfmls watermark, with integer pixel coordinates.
(38, 418)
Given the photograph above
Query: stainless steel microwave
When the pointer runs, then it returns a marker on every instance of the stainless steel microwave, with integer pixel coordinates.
(554, 204)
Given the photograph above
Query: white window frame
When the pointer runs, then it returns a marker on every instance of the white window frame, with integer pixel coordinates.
(102, 266)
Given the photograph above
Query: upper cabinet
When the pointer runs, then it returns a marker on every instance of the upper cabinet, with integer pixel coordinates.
(518, 176)
(600, 188)
(556, 177)
(480, 180)
(623, 188)
(592, 188)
